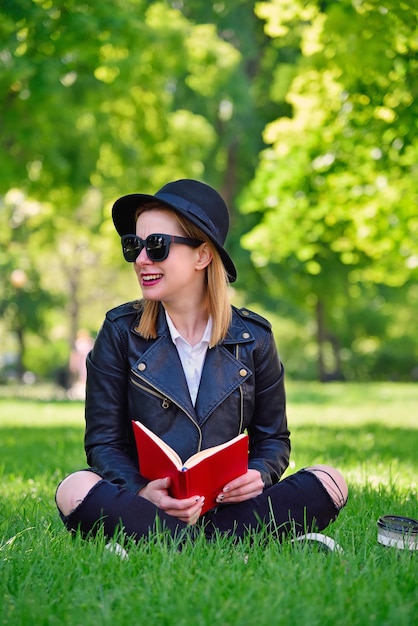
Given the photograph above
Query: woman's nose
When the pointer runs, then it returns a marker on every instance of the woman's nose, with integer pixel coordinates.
(142, 258)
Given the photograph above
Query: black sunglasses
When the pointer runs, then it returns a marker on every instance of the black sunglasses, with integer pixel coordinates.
(156, 246)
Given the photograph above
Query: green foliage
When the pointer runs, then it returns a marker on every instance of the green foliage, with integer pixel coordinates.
(93, 108)
(95, 91)
(336, 193)
(103, 99)
(114, 98)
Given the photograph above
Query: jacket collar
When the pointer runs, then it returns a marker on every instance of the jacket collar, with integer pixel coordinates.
(222, 371)
(238, 332)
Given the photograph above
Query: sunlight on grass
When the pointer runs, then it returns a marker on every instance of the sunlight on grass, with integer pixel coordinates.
(369, 432)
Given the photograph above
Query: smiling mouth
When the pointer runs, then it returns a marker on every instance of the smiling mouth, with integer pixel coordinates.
(150, 278)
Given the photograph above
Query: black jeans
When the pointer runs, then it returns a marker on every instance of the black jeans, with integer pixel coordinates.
(299, 504)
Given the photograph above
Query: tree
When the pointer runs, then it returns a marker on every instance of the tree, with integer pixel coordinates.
(102, 99)
(337, 188)
(25, 301)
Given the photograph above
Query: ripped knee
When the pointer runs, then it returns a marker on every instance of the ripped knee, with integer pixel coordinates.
(73, 489)
(333, 482)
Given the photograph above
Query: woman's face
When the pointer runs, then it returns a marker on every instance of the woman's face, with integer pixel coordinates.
(182, 273)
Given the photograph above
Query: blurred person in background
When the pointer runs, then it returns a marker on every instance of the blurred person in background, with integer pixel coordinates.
(78, 370)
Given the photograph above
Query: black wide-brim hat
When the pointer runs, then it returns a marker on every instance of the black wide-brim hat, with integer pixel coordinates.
(196, 201)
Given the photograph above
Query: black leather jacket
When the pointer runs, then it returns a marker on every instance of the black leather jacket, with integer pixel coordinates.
(130, 377)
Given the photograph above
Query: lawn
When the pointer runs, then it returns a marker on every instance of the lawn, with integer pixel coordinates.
(370, 432)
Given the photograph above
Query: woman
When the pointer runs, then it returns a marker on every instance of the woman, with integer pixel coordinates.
(197, 372)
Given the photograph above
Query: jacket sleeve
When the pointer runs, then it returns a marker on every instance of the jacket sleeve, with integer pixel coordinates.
(268, 431)
(108, 441)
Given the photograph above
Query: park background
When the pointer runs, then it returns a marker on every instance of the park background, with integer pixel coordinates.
(303, 114)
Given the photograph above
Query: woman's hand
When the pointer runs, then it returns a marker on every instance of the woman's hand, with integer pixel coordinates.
(244, 487)
(187, 510)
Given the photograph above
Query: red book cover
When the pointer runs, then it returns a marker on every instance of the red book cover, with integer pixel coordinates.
(203, 474)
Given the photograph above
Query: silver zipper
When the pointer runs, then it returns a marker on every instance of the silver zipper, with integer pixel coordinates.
(165, 403)
(241, 394)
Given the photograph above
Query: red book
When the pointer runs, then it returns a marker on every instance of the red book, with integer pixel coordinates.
(204, 474)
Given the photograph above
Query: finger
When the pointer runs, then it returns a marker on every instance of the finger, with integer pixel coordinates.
(173, 506)
(251, 476)
(237, 483)
(195, 512)
(250, 490)
(161, 483)
(189, 515)
(187, 503)
(250, 480)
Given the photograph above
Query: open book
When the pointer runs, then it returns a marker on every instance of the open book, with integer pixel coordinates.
(203, 474)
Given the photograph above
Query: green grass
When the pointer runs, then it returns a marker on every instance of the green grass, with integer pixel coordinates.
(46, 577)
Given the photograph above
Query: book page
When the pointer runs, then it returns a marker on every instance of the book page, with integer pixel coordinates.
(204, 454)
(172, 454)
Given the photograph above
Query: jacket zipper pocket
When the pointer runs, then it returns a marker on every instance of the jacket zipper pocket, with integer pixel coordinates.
(165, 402)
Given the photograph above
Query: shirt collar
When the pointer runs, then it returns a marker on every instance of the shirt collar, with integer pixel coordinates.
(176, 335)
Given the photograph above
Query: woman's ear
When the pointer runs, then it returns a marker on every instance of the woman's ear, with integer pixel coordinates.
(204, 256)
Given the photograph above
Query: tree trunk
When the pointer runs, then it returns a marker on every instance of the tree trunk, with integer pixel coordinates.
(20, 365)
(320, 332)
(327, 374)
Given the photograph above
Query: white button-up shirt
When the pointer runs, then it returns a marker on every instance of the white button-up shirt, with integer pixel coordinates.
(191, 357)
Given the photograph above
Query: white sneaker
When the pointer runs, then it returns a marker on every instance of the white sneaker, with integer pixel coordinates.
(116, 548)
(324, 543)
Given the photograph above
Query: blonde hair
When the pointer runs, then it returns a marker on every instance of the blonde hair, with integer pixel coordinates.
(219, 306)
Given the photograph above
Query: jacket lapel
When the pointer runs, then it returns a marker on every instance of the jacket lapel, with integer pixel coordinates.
(162, 357)
(222, 374)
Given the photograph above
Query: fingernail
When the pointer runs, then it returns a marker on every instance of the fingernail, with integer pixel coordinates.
(220, 497)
